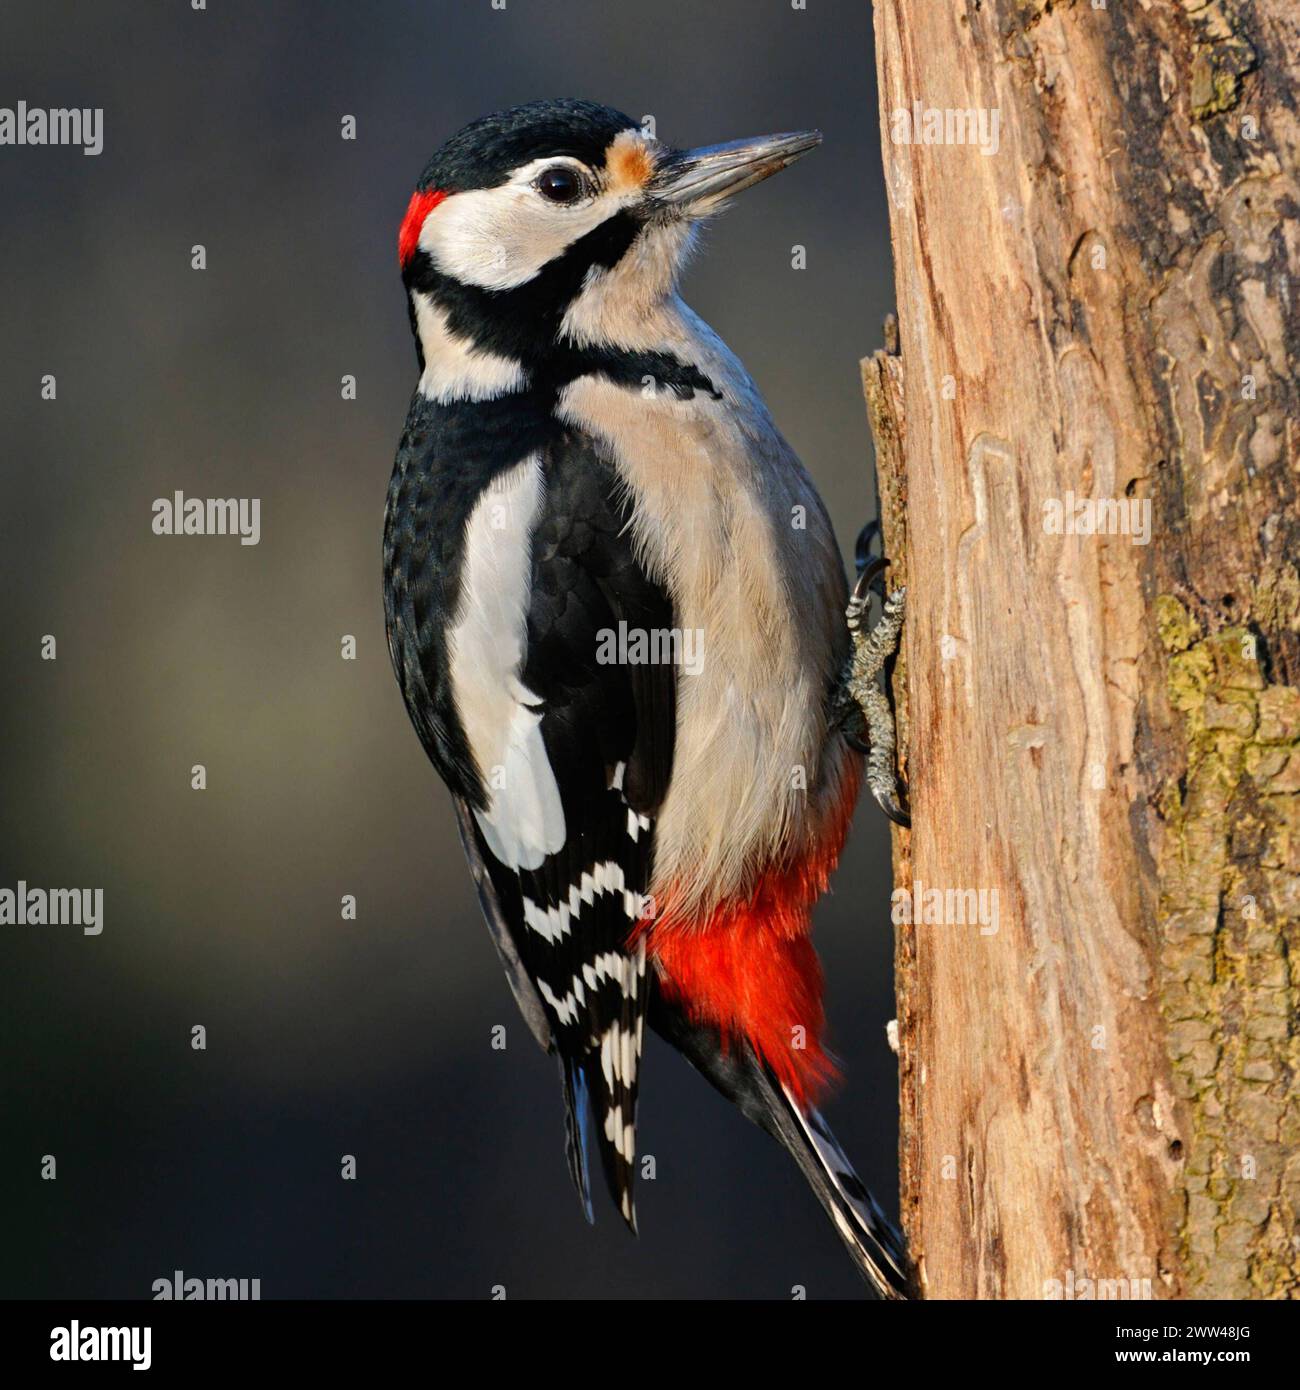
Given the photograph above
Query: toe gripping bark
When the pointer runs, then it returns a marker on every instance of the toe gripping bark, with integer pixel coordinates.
(863, 709)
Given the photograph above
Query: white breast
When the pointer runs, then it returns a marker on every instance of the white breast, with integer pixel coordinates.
(727, 517)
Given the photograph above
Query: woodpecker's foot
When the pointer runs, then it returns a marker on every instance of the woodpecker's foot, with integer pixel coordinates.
(865, 698)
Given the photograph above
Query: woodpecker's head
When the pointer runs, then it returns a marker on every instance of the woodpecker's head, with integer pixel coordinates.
(530, 226)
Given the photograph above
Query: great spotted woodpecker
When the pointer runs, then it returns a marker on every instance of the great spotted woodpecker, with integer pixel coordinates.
(589, 476)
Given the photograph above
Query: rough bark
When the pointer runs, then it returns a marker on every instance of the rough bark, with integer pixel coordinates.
(1105, 733)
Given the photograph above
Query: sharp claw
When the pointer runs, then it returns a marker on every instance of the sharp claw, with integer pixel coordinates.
(862, 549)
(867, 578)
(889, 804)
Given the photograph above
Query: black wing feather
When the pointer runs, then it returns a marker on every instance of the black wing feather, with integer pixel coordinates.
(498, 896)
(608, 729)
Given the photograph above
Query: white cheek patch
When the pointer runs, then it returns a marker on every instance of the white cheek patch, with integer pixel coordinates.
(499, 238)
(454, 369)
(487, 645)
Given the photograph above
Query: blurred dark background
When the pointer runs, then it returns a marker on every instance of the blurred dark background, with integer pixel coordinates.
(222, 907)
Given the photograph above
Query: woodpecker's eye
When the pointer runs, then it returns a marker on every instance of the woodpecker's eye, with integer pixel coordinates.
(561, 184)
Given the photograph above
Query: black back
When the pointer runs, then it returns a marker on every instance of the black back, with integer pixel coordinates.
(608, 730)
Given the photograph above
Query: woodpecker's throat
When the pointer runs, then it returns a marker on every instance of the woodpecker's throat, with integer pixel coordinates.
(602, 308)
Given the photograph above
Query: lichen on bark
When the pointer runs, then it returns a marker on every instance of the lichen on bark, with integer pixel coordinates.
(1105, 311)
(1229, 919)
(1222, 57)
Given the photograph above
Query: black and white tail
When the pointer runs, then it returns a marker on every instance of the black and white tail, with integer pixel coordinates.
(872, 1241)
(875, 1246)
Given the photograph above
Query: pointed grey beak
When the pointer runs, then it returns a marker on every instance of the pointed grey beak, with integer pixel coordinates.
(696, 181)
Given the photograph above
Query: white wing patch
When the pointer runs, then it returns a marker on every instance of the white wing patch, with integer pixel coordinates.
(487, 644)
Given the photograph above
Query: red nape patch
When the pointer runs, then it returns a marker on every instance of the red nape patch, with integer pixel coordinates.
(749, 969)
(423, 202)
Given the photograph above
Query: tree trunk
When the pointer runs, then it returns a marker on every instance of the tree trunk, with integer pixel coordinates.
(1098, 321)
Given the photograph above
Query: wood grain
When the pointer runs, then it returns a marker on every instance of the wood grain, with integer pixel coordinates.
(1102, 732)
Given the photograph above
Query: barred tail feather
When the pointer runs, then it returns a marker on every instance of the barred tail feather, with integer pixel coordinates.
(739, 1073)
(870, 1237)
